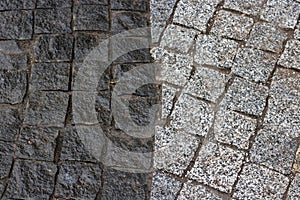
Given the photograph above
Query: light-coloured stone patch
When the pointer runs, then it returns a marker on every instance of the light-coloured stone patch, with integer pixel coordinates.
(168, 95)
(294, 192)
(291, 55)
(251, 7)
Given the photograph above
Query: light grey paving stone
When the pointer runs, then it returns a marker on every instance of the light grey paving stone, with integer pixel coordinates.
(207, 84)
(173, 65)
(257, 182)
(178, 38)
(190, 13)
(283, 12)
(174, 149)
(253, 64)
(232, 25)
(274, 150)
(168, 94)
(217, 166)
(245, 96)
(291, 55)
(160, 12)
(13, 61)
(251, 7)
(164, 187)
(212, 50)
(195, 192)
(192, 115)
(294, 188)
(297, 32)
(233, 128)
(267, 36)
(53, 3)
(296, 166)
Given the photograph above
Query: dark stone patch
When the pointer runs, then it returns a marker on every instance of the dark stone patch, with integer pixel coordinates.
(140, 5)
(91, 1)
(102, 106)
(9, 125)
(5, 165)
(16, 4)
(6, 148)
(53, 3)
(13, 61)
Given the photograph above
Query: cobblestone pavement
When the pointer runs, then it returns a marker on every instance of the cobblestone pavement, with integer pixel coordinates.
(229, 90)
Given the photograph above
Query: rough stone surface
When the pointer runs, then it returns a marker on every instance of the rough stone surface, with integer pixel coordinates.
(47, 108)
(253, 64)
(232, 26)
(291, 55)
(211, 50)
(92, 2)
(140, 5)
(297, 32)
(12, 61)
(260, 183)
(207, 84)
(233, 128)
(251, 7)
(10, 123)
(294, 188)
(5, 165)
(168, 95)
(78, 180)
(53, 3)
(6, 148)
(192, 115)
(217, 166)
(16, 4)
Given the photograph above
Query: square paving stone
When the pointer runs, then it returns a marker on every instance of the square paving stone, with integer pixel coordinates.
(10, 123)
(283, 12)
(6, 148)
(13, 61)
(232, 25)
(294, 188)
(274, 150)
(168, 95)
(50, 76)
(174, 150)
(5, 165)
(245, 96)
(257, 182)
(192, 115)
(251, 7)
(91, 17)
(121, 185)
(173, 65)
(164, 187)
(189, 13)
(140, 5)
(253, 64)
(291, 55)
(266, 36)
(212, 50)
(207, 84)
(53, 48)
(16, 25)
(78, 181)
(31, 180)
(233, 128)
(47, 108)
(57, 20)
(12, 86)
(194, 192)
(178, 38)
(17, 4)
(37, 143)
(53, 3)
(217, 166)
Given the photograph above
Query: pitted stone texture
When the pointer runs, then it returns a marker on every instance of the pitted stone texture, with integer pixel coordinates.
(12, 62)
(47, 108)
(57, 20)
(251, 7)
(253, 64)
(5, 165)
(53, 3)
(294, 188)
(17, 4)
(296, 165)
(178, 38)
(140, 5)
(53, 48)
(50, 76)
(12, 86)
(283, 12)
(91, 17)
(92, 2)
(212, 50)
(31, 180)
(168, 95)
(6, 148)
(191, 14)
(160, 12)
(266, 36)
(245, 96)
(16, 25)
(37, 143)
(173, 65)
(217, 166)
(233, 128)
(257, 182)
(194, 192)
(232, 26)
(78, 180)
(10, 122)
(297, 32)
(173, 150)
(207, 84)
(164, 187)
(274, 150)
(291, 55)
(192, 115)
